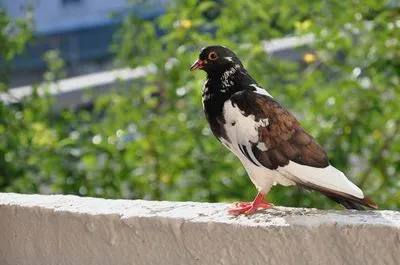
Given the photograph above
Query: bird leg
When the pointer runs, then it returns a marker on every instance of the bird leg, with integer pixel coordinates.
(248, 208)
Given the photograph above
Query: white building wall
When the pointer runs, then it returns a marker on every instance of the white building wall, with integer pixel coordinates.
(53, 15)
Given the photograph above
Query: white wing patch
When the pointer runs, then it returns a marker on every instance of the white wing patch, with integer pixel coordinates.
(243, 129)
(260, 90)
(262, 147)
(242, 132)
(328, 177)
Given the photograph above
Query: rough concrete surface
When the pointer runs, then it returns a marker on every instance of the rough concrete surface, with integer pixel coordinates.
(60, 229)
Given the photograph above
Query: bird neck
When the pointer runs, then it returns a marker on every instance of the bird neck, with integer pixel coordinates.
(230, 80)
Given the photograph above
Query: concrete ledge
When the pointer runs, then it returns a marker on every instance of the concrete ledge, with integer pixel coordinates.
(38, 229)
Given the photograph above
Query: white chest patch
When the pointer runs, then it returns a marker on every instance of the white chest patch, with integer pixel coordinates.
(226, 76)
(260, 90)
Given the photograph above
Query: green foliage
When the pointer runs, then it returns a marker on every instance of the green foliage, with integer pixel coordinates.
(153, 142)
(13, 37)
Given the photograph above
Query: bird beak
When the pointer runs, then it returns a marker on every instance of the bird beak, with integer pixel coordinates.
(198, 64)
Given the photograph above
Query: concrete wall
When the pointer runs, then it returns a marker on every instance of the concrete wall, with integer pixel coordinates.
(38, 229)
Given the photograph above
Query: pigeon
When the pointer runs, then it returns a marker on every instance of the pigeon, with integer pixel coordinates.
(268, 140)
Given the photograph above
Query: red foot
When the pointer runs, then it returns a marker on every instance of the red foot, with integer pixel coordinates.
(248, 208)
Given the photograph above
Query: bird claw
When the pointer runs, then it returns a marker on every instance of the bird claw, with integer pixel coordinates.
(248, 208)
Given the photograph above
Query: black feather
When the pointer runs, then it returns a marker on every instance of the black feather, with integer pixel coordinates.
(346, 203)
(347, 200)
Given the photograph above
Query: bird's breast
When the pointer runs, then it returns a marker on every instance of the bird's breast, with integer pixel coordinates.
(213, 110)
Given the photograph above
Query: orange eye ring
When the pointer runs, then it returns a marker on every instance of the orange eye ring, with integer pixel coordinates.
(212, 56)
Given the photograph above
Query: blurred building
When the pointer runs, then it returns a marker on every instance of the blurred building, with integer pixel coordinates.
(82, 30)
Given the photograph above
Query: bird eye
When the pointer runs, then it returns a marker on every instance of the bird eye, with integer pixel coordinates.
(212, 56)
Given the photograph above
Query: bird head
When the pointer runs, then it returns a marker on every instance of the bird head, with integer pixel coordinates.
(215, 60)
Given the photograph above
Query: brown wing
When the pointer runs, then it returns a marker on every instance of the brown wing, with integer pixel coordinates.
(284, 138)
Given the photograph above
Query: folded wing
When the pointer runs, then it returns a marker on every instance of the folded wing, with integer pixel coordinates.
(270, 136)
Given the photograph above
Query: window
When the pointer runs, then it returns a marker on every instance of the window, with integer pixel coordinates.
(70, 2)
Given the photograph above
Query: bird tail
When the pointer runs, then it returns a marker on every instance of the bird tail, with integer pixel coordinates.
(355, 203)
(347, 200)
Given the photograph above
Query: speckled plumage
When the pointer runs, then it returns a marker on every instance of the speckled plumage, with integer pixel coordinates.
(267, 139)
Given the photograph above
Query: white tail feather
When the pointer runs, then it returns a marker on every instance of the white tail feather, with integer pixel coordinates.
(328, 177)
